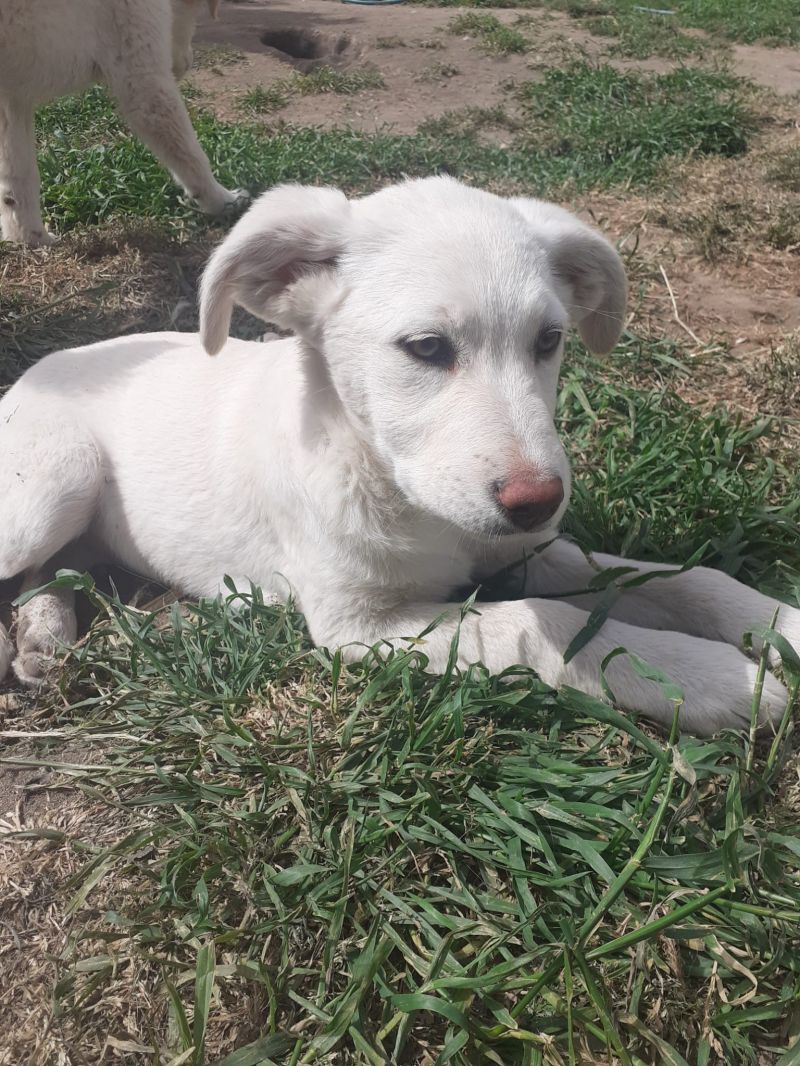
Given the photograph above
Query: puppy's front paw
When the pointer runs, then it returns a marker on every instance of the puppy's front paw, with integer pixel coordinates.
(724, 698)
(788, 625)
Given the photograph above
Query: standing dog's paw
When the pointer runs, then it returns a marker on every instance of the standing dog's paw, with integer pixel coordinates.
(41, 239)
(222, 201)
(30, 238)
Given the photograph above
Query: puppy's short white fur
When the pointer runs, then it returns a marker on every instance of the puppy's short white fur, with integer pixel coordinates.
(136, 47)
(358, 466)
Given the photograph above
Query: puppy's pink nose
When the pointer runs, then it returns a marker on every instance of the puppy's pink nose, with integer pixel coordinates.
(529, 500)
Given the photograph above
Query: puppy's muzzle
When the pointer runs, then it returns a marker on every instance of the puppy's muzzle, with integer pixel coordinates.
(527, 500)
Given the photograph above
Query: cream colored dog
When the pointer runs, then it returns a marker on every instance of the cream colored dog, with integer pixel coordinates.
(49, 48)
(401, 446)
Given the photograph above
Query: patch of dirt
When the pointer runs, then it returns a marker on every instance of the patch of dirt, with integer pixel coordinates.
(407, 44)
(741, 295)
(774, 68)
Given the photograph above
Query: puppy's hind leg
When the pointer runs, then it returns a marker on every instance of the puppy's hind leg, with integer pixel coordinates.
(50, 478)
(155, 110)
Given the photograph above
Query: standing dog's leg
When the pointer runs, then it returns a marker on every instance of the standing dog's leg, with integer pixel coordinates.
(20, 211)
(155, 110)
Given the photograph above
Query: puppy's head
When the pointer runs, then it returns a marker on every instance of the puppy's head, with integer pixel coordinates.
(439, 314)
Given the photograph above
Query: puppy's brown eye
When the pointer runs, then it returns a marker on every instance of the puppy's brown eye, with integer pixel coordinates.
(430, 349)
(548, 340)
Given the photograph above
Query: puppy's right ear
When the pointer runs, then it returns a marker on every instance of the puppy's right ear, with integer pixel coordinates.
(281, 238)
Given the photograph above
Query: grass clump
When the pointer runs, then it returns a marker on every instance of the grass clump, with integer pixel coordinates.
(619, 126)
(492, 35)
(770, 21)
(468, 122)
(391, 41)
(640, 35)
(492, 4)
(718, 229)
(785, 170)
(438, 72)
(214, 56)
(775, 380)
(345, 82)
(266, 99)
(783, 232)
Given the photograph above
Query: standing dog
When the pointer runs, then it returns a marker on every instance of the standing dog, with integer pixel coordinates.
(400, 447)
(137, 48)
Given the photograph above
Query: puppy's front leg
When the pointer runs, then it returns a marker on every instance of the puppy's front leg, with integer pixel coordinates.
(46, 626)
(717, 680)
(700, 601)
(20, 210)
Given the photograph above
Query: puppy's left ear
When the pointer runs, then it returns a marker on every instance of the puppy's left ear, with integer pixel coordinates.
(290, 233)
(588, 265)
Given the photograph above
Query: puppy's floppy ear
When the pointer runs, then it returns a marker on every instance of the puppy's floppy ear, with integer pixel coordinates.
(281, 237)
(589, 266)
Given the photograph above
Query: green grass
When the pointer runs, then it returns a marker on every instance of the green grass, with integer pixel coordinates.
(583, 126)
(373, 862)
(344, 82)
(639, 35)
(263, 99)
(770, 21)
(215, 56)
(492, 35)
(670, 481)
(615, 126)
(784, 230)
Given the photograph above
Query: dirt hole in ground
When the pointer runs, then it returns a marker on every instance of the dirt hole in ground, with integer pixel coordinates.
(306, 49)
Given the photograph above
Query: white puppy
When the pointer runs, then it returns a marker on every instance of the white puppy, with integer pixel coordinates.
(399, 448)
(52, 47)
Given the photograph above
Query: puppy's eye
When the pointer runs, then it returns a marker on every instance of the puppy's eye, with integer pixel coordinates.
(548, 340)
(430, 349)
